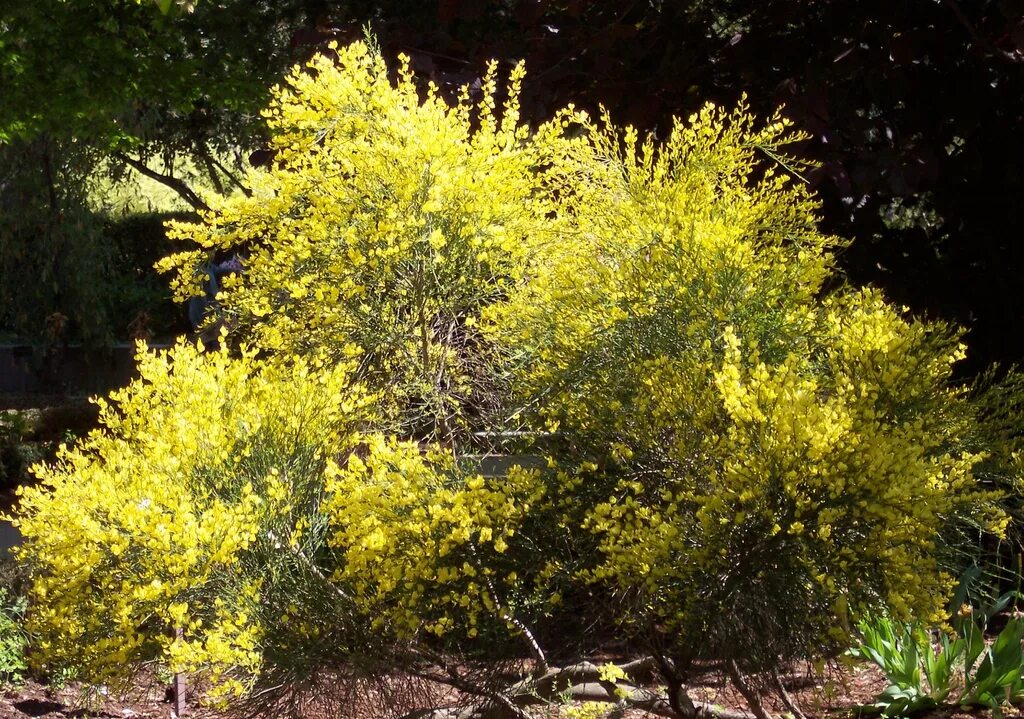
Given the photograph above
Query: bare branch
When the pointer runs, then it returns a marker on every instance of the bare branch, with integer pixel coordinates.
(748, 692)
(310, 565)
(787, 700)
(642, 670)
(231, 176)
(582, 682)
(211, 171)
(536, 653)
(453, 678)
(183, 190)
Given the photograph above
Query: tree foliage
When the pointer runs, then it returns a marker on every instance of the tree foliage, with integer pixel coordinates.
(72, 268)
(54, 263)
(94, 92)
(185, 83)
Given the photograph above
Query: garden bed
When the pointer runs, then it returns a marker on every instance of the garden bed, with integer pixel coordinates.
(835, 694)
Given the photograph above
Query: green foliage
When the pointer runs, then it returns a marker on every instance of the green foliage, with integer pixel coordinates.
(72, 269)
(960, 663)
(133, 78)
(130, 99)
(13, 639)
(139, 301)
(900, 649)
(54, 262)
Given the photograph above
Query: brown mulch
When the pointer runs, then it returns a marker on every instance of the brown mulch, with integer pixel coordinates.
(148, 700)
(834, 694)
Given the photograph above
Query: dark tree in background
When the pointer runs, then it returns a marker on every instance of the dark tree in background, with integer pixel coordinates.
(915, 106)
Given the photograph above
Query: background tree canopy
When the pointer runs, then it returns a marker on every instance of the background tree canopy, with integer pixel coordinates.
(914, 108)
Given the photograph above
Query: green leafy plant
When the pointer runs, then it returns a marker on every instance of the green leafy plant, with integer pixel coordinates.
(999, 678)
(901, 650)
(13, 638)
(924, 666)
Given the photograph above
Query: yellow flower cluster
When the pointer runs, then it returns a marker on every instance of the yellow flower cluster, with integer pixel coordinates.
(145, 527)
(762, 461)
(823, 468)
(588, 710)
(387, 220)
(425, 546)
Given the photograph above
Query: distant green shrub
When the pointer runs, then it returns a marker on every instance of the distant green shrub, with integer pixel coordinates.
(13, 638)
(15, 455)
(71, 271)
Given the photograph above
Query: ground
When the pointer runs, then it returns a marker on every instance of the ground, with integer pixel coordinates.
(833, 695)
(146, 701)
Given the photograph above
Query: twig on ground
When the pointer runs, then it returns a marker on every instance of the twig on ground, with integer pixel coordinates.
(787, 700)
(748, 692)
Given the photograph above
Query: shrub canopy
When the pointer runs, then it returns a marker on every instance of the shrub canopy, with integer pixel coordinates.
(387, 222)
(743, 457)
(761, 456)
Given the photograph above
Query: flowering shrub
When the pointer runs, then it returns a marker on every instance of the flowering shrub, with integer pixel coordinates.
(764, 459)
(158, 521)
(232, 509)
(387, 221)
(743, 461)
(424, 547)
